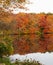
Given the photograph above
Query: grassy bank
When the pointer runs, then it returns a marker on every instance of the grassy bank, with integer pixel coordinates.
(6, 61)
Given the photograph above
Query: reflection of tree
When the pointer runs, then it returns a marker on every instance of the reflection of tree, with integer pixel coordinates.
(28, 31)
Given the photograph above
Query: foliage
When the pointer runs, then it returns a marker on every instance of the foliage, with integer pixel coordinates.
(27, 62)
(5, 4)
(7, 61)
(28, 32)
(6, 47)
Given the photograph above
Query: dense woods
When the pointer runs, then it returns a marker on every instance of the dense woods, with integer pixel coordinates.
(28, 32)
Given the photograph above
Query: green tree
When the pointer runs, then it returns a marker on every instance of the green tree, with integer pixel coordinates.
(6, 47)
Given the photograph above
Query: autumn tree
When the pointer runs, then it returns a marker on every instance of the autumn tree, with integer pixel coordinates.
(5, 4)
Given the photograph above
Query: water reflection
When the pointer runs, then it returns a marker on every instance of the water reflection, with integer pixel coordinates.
(33, 43)
(30, 43)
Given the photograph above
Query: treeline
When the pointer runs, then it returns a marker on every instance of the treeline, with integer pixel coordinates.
(29, 32)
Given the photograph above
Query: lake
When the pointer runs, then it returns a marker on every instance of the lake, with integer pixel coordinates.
(44, 58)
